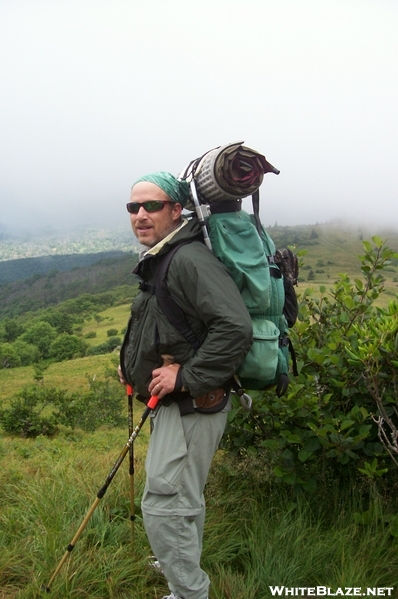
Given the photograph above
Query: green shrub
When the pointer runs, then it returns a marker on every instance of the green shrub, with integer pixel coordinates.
(41, 334)
(101, 405)
(90, 335)
(67, 347)
(24, 417)
(39, 410)
(27, 352)
(58, 319)
(105, 348)
(8, 356)
(311, 275)
(10, 330)
(111, 332)
(341, 408)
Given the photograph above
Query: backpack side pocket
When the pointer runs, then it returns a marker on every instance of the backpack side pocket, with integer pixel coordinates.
(262, 359)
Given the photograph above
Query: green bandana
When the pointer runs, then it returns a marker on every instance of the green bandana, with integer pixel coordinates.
(178, 191)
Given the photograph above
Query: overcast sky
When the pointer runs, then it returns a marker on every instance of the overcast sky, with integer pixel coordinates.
(96, 93)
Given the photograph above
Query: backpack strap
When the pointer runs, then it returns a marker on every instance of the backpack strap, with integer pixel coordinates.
(282, 385)
(294, 359)
(168, 305)
(256, 210)
(175, 315)
(287, 342)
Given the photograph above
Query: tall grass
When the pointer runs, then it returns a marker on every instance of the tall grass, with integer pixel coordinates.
(256, 534)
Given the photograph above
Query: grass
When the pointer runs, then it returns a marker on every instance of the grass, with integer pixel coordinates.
(48, 486)
(336, 250)
(112, 318)
(256, 535)
(312, 553)
(70, 375)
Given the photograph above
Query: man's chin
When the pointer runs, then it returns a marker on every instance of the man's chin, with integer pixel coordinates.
(146, 240)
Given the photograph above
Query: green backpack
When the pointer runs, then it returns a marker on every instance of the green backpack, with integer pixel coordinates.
(257, 269)
(265, 277)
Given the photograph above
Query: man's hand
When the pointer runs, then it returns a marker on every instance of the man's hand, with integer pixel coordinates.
(163, 380)
(121, 377)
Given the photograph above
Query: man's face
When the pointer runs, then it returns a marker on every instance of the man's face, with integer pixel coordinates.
(152, 227)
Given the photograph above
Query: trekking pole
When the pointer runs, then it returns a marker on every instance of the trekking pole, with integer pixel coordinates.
(151, 405)
(129, 390)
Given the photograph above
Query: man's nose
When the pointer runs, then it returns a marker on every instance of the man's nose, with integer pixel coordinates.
(142, 212)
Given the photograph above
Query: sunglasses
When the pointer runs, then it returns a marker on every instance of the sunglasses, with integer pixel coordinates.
(149, 206)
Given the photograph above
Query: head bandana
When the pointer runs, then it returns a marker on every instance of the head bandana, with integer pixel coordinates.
(178, 191)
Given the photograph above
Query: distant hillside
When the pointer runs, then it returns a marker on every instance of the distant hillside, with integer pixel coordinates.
(331, 249)
(40, 291)
(23, 268)
(79, 240)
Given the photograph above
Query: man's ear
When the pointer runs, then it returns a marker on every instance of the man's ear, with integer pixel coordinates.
(177, 209)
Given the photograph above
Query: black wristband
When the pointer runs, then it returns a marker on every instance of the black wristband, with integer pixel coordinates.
(178, 384)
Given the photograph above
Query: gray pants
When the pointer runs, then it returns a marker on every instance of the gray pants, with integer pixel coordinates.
(178, 461)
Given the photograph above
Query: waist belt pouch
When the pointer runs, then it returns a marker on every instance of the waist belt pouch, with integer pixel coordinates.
(262, 360)
(211, 402)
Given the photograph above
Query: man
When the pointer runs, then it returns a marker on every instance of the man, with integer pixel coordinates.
(194, 389)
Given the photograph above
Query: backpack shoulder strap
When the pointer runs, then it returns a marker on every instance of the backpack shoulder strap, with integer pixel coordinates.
(173, 312)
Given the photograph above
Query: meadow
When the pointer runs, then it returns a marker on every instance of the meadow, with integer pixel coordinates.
(329, 250)
(259, 534)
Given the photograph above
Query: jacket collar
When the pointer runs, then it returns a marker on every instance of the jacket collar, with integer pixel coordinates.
(156, 248)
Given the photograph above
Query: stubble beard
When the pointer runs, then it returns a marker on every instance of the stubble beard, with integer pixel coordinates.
(150, 243)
